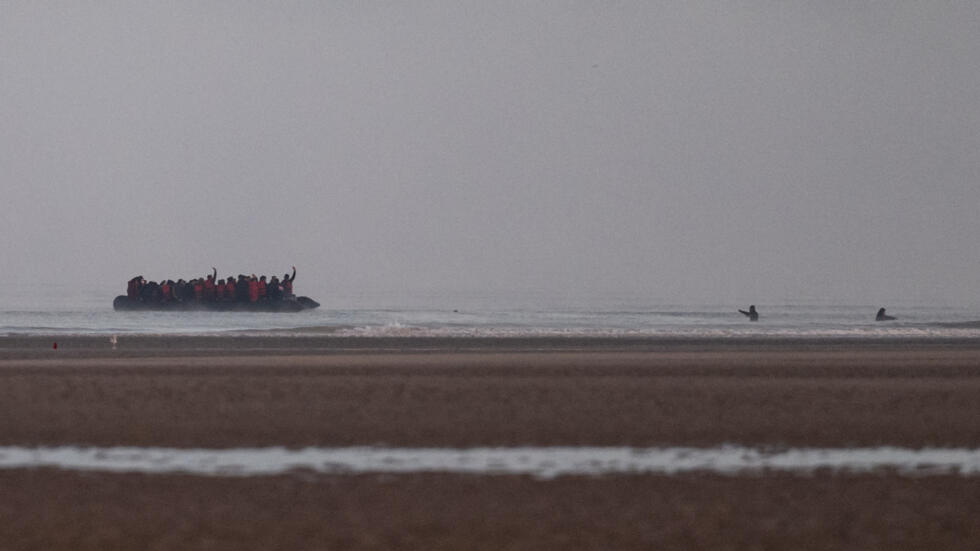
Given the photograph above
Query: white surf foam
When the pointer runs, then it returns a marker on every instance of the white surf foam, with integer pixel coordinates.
(541, 462)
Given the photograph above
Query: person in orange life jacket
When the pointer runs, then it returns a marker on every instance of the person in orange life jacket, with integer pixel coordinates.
(263, 288)
(253, 289)
(209, 287)
(198, 289)
(287, 283)
(166, 291)
(219, 290)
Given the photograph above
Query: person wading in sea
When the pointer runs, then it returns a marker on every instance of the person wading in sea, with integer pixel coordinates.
(752, 314)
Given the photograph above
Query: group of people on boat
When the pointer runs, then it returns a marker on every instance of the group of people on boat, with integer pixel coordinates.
(211, 289)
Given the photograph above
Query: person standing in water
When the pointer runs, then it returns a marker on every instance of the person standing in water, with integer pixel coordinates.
(752, 314)
(882, 316)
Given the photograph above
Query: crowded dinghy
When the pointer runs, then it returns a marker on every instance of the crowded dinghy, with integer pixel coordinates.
(242, 293)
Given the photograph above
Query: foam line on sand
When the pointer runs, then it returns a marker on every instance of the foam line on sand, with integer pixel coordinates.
(541, 462)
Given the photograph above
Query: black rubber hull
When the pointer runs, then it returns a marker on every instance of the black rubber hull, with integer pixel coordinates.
(299, 304)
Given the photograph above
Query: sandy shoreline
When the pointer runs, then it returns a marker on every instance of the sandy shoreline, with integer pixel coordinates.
(217, 392)
(229, 392)
(109, 512)
(78, 346)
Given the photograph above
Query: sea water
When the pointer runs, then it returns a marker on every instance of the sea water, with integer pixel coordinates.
(64, 313)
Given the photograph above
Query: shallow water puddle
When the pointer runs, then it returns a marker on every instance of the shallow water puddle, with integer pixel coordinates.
(541, 462)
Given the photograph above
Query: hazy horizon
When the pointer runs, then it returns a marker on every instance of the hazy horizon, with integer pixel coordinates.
(676, 152)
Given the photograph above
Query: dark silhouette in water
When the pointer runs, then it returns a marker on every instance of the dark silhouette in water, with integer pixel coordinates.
(882, 317)
(752, 314)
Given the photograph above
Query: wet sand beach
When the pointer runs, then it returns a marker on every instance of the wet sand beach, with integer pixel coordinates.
(223, 392)
(47, 509)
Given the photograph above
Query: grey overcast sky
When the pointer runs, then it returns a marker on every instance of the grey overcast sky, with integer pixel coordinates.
(669, 151)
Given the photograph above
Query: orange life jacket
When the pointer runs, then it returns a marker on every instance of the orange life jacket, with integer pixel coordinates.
(262, 288)
(253, 290)
(209, 289)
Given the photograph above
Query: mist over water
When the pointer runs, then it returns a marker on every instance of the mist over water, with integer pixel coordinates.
(56, 310)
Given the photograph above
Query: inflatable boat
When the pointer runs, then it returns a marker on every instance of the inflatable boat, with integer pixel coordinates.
(295, 304)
